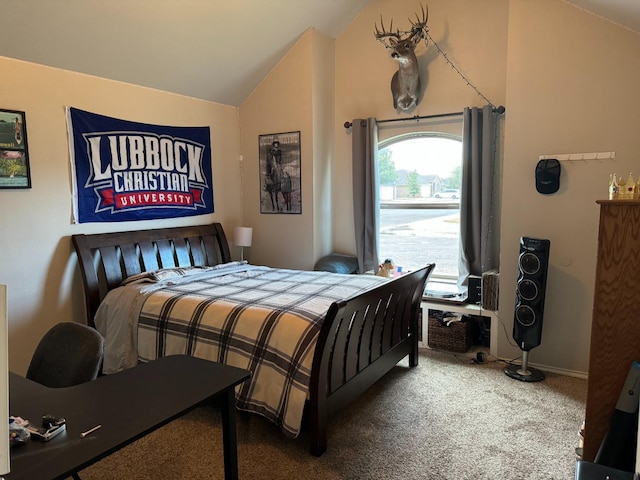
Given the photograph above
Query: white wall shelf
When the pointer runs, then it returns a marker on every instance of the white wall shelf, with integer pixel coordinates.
(580, 157)
(464, 308)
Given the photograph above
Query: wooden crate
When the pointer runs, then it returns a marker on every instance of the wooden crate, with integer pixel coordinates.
(453, 337)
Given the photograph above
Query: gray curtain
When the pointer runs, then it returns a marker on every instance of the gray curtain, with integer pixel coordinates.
(365, 192)
(478, 234)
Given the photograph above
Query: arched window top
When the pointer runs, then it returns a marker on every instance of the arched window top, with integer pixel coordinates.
(420, 138)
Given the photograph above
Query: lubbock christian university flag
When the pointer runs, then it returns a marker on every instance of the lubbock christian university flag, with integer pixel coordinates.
(125, 171)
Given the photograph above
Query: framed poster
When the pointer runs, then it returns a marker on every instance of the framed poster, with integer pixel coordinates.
(280, 178)
(14, 153)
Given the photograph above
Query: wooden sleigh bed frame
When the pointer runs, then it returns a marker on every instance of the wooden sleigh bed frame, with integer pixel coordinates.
(360, 340)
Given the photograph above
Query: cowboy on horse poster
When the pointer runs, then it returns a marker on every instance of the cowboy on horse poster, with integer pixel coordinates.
(280, 179)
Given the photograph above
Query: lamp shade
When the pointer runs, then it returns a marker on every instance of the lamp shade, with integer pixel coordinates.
(242, 236)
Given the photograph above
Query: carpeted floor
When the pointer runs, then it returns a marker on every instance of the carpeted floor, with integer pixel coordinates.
(446, 419)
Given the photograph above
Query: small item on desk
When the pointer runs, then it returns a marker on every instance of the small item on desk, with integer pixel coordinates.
(18, 432)
(45, 434)
(52, 426)
(91, 430)
(386, 269)
(49, 421)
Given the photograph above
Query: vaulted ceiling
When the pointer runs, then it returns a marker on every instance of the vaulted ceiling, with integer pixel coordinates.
(216, 50)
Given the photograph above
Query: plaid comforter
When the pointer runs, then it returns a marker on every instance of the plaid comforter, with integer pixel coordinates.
(262, 319)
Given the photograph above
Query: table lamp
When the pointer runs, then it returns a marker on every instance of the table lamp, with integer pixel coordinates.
(242, 238)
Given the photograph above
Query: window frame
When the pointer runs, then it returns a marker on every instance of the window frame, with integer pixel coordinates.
(414, 134)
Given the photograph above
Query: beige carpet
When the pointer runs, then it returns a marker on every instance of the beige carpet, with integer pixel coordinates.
(446, 419)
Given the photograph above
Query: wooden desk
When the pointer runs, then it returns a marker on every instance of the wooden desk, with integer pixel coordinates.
(129, 405)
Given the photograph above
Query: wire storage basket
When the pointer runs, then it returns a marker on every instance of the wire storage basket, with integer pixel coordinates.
(452, 336)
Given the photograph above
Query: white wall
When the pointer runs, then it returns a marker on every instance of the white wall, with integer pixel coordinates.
(323, 95)
(568, 80)
(37, 261)
(572, 82)
(4, 384)
(283, 102)
(364, 69)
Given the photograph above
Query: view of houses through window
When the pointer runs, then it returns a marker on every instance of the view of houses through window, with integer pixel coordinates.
(420, 178)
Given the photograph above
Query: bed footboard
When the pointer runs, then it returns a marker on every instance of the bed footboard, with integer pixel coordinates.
(361, 339)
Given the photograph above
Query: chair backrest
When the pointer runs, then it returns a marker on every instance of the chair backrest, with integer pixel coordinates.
(68, 354)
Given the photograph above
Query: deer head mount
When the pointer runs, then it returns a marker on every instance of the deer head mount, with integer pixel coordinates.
(405, 84)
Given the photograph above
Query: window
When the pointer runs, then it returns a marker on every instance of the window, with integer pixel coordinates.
(419, 177)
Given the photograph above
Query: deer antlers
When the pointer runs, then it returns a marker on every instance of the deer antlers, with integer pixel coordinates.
(417, 32)
(405, 83)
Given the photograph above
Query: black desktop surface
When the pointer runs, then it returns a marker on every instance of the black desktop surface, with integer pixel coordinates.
(127, 405)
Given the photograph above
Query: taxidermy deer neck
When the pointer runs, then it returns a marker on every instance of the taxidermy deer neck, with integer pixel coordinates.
(405, 84)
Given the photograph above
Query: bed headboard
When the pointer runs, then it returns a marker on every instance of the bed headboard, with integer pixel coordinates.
(106, 259)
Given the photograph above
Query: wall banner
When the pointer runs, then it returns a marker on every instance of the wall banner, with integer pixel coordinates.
(124, 171)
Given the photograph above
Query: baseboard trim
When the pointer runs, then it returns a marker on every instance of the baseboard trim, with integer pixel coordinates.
(545, 368)
(559, 371)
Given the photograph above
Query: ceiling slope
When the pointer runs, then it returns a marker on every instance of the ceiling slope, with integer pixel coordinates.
(216, 50)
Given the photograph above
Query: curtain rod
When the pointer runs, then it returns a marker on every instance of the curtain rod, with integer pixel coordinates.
(500, 110)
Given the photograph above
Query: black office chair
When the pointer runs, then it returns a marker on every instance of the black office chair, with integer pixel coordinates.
(68, 354)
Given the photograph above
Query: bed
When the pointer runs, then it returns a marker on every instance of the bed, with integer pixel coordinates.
(358, 326)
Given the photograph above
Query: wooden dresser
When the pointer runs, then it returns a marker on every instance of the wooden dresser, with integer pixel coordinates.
(615, 331)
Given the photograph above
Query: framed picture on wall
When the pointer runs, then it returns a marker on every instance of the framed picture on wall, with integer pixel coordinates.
(280, 176)
(14, 152)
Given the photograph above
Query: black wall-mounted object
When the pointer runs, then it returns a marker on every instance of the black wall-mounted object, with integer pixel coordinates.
(533, 263)
(548, 176)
